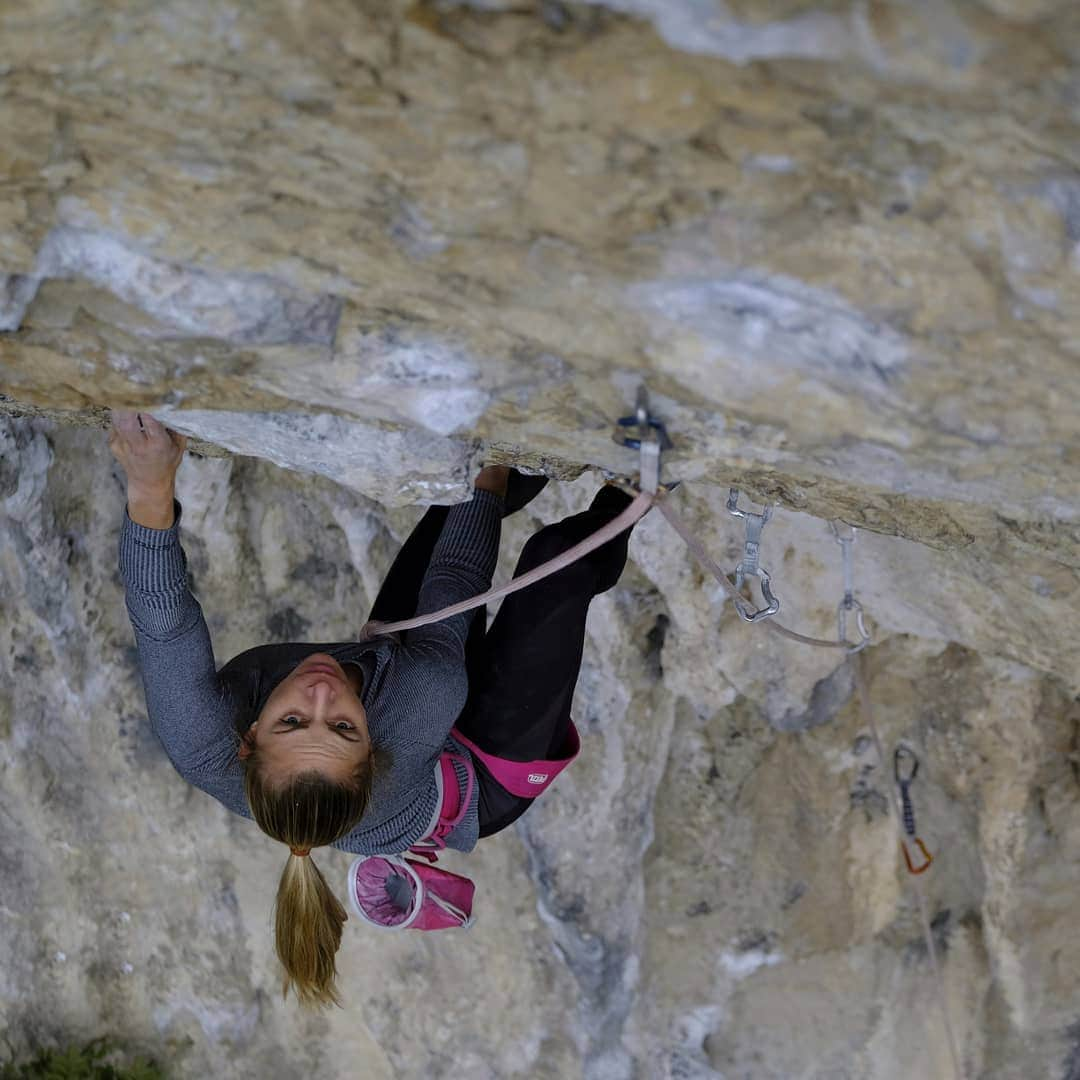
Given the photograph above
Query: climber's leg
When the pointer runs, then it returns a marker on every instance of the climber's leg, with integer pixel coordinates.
(520, 690)
(400, 591)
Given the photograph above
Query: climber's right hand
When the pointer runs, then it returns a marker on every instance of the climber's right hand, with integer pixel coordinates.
(150, 453)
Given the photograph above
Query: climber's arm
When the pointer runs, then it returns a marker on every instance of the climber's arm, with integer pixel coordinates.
(463, 560)
(187, 708)
(461, 567)
(152, 510)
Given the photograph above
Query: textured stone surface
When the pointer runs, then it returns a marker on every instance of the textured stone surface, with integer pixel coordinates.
(374, 243)
(849, 273)
(713, 890)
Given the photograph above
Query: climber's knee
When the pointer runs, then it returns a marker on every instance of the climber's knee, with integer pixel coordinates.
(549, 543)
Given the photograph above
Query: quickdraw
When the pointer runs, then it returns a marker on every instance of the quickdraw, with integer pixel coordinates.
(750, 565)
(849, 604)
(652, 439)
(905, 768)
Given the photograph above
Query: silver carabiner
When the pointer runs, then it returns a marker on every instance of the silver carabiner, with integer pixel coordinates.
(905, 765)
(849, 603)
(651, 441)
(750, 564)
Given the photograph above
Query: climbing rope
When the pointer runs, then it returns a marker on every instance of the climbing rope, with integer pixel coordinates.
(698, 548)
(635, 511)
(862, 686)
(651, 439)
(901, 811)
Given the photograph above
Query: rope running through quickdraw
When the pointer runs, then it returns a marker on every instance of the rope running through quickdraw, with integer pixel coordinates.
(651, 439)
(917, 882)
(905, 764)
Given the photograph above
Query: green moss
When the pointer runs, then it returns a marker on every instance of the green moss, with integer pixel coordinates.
(97, 1060)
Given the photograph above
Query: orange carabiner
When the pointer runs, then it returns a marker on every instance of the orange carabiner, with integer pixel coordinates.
(907, 857)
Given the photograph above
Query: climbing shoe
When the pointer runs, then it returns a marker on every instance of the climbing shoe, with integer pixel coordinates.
(521, 490)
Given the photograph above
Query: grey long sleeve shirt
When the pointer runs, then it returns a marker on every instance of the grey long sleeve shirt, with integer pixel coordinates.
(412, 692)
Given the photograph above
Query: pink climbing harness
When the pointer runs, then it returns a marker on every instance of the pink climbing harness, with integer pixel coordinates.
(526, 779)
(394, 892)
(450, 805)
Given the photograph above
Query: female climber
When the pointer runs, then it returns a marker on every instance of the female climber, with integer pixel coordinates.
(339, 743)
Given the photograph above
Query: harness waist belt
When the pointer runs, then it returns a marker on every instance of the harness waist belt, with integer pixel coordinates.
(526, 779)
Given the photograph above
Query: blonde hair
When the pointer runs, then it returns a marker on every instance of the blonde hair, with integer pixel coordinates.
(307, 811)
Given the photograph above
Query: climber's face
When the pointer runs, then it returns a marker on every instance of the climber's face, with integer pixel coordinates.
(314, 721)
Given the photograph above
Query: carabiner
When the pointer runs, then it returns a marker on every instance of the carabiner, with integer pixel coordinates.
(846, 605)
(849, 603)
(903, 776)
(652, 439)
(912, 869)
(750, 565)
(772, 604)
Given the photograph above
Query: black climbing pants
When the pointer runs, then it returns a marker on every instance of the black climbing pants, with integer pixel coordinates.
(524, 667)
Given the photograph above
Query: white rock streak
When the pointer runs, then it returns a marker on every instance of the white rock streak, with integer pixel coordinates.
(742, 964)
(775, 325)
(707, 26)
(245, 308)
(397, 468)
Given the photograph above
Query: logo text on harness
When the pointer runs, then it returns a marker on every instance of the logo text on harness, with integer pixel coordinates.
(537, 777)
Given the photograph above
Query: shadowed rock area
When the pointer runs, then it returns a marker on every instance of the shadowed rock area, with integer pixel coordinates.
(354, 249)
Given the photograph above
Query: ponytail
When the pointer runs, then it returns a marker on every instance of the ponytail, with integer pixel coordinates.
(307, 931)
(307, 811)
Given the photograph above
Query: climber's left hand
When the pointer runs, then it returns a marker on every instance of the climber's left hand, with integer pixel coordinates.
(150, 454)
(493, 478)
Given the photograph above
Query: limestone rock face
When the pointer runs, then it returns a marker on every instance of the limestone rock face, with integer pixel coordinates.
(373, 244)
(712, 890)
